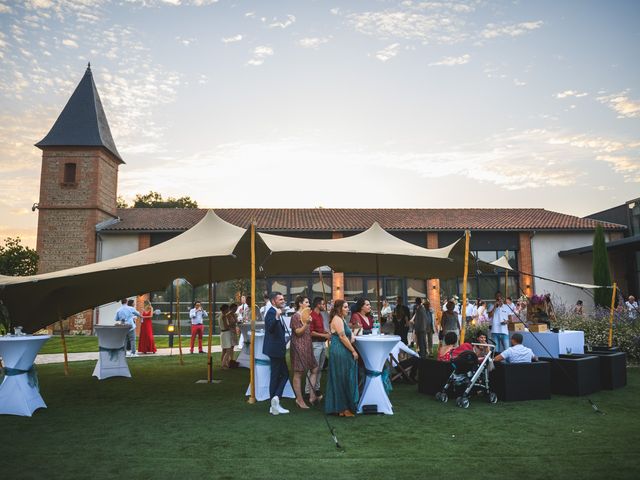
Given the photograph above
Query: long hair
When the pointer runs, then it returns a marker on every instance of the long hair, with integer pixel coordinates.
(337, 309)
(299, 301)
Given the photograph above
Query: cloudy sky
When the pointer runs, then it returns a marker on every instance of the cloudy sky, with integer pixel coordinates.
(334, 103)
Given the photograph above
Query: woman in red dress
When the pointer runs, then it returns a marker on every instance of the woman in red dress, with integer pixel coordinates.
(146, 343)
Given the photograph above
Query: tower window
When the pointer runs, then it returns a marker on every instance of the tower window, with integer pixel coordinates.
(69, 173)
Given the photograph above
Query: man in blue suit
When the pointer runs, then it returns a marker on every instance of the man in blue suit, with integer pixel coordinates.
(275, 347)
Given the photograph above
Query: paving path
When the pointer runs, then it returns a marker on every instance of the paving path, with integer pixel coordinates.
(78, 357)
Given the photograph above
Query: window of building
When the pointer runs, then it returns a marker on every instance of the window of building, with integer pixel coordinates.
(69, 176)
(416, 288)
(393, 289)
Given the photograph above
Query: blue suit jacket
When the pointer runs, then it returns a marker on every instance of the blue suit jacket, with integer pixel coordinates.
(274, 342)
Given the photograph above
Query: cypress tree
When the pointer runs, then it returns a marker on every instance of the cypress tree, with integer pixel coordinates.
(601, 273)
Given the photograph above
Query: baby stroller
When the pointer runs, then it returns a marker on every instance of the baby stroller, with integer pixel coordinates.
(469, 375)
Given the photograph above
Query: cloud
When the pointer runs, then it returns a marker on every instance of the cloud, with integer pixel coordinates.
(5, 8)
(570, 93)
(67, 42)
(260, 53)
(515, 30)
(185, 41)
(452, 61)
(622, 104)
(388, 52)
(234, 39)
(627, 166)
(290, 20)
(313, 42)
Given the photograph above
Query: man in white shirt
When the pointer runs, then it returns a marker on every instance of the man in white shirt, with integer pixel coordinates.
(632, 307)
(500, 316)
(516, 353)
(197, 314)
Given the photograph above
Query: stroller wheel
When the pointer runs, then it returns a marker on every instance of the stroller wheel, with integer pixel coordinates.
(442, 397)
(493, 398)
(462, 402)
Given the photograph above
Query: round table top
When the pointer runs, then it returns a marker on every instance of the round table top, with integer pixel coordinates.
(378, 338)
(23, 338)
(97, 327)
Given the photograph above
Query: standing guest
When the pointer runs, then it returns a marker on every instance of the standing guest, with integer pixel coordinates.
(275, 347)
(470, 313)
(401, 320)
(516, 353)
(342, 386)
(421, 320)
(632, 307)
(226, 337)
(360, 316)
(302, 358)
(232, 320)
(243, 310)
(449, 322)
(146, 344)
(265, 308)
(386, 314)
(197, 314)
(319, 337)
(578, 309)
(500, 316)
(482, 312)
(127, 315)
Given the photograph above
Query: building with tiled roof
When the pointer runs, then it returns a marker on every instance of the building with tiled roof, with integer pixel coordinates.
(79, 223)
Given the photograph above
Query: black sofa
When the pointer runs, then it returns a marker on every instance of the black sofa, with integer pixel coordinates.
(521, 381)
(574, 375)
(613, 367)
(432, 375)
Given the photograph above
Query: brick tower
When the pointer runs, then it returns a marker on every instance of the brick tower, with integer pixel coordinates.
(78, 185)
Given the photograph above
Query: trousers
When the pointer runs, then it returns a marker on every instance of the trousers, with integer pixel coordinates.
(320, 353)
(197, 331)
(279, 376)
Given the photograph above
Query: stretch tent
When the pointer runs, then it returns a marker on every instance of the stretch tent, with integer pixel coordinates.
(39, 300)
(503, 263)
(215, 250)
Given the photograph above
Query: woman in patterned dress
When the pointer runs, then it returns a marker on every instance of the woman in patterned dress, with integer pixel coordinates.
(302, 358)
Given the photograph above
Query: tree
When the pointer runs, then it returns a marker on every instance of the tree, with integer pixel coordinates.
(155, 200)
(601, 273)
(122, 203)
(16, 259)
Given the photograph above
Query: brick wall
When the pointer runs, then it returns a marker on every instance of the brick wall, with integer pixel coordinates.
(525, 263)
(337, 289)
(433, 284)
(69, 212)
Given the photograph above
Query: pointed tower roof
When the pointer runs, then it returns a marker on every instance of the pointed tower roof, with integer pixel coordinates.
(83, 122)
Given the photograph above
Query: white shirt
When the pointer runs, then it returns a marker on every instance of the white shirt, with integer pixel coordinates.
(471, 310)
(632, 308)
(243, 312)
(500, 314)
(196, 316)
(265, 309)
(518, 354)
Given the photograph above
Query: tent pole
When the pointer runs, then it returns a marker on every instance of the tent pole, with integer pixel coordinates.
(506, 277)
(613, 306)
(463, 311)
(178, 319)
(210, 339)
(252, 345)
(378, 289)
(64, 349)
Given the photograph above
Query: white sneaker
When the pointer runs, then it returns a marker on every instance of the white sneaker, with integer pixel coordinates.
(275, 406)
(134, 355)
(282, 410)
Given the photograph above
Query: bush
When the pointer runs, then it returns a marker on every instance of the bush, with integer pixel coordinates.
(626, 331)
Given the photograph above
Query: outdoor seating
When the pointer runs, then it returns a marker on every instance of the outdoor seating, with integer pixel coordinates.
(521, 381)
(432, 374)
(574, 374)
(613, 367)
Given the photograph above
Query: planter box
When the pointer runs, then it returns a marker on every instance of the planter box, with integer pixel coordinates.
(516, 327)
(575, 374)
(538, 327)
(521, 381)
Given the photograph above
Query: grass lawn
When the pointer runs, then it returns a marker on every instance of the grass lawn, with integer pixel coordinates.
(160, 424)
(82, 343)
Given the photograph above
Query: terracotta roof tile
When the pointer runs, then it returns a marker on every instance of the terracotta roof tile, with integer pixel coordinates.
(345, 219)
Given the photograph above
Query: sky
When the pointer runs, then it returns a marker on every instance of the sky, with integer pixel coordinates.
(312, 103)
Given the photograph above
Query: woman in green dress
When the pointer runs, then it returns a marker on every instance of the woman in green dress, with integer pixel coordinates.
(342, 387)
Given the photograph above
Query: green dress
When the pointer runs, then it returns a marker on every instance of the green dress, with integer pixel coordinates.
(342, 386)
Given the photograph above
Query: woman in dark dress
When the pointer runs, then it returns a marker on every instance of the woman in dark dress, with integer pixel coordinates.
(302, 358)
(342, 386)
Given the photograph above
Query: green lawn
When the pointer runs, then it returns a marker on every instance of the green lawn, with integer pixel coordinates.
(81, 343)
(160, 424)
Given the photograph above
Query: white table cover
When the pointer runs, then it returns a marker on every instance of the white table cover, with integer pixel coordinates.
(569, 341)
(263, 373)
(17, 397)
(244, 359)
(374, 350)
(111, 365)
